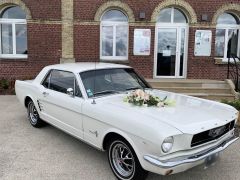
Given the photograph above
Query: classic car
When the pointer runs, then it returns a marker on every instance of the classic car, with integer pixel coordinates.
(88, 101)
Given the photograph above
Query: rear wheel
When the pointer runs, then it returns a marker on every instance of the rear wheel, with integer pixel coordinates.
(124, 162)
(33, 115)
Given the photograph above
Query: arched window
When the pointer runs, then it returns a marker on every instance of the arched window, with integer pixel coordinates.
(114, 36)
(171, 15)
(13, 33)
(227, 36)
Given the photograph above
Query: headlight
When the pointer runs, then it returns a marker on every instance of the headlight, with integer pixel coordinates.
(167, 144)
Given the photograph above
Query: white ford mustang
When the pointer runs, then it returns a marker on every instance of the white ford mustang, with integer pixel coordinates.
(86, 100)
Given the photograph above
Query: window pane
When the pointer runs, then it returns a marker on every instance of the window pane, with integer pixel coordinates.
(166, 57)
(114, 15)
(60, 81)
(232, 42)
(220, 42)
(179, 17)
(21, 38)
(14, 13)
(121, 40)
(46, 82)
(77, 89)
(227, 18)
(182, 52)
(107, 41)
(165, 15)
(7, 39)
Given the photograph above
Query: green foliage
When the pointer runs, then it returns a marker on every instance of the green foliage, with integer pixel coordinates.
(13, 91)
(235, 104)
(4, 83)
(153, 101)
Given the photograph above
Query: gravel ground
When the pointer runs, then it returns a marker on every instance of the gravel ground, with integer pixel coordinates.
(27, 153)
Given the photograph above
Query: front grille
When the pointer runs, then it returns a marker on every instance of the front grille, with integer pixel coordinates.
(211, 134)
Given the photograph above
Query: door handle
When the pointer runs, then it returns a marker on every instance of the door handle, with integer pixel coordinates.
(45, 94)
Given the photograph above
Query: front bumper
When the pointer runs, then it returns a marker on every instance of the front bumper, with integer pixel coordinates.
(170, 163)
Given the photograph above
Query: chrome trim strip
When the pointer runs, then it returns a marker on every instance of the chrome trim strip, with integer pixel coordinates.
(190, 158)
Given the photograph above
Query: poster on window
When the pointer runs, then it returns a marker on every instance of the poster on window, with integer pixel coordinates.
(142, 42)
(203, 41)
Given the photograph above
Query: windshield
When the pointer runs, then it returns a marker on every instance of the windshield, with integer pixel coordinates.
(110, 81)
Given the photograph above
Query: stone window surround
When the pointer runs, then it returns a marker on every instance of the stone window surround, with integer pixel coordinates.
(9, 3)
(227, 8)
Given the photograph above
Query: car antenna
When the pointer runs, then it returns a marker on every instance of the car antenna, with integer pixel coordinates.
(94, 83)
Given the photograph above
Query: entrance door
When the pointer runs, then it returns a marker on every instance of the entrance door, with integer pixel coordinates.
(170, 57)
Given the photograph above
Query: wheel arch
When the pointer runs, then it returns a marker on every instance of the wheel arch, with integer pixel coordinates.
(114, 133)
(27, 99)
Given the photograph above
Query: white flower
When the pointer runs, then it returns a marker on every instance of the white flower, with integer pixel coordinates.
(160, 104)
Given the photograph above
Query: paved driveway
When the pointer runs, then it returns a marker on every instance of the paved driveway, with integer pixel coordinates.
(27, 153)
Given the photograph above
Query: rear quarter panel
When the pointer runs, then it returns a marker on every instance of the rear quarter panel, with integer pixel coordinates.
(25, 89)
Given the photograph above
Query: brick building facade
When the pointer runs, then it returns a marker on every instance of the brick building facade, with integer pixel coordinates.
(60, 31)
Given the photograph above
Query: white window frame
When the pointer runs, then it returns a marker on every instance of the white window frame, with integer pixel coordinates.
(13, 22)
(114, 25)
(228, 27)
(172, 17)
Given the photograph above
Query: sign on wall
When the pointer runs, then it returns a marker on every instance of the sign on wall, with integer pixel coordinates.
(142, 42)
(203, 41)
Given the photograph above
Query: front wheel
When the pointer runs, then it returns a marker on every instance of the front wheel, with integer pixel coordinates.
(124, 162)
(33, 115)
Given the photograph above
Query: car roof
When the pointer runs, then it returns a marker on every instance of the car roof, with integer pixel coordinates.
(85, 66)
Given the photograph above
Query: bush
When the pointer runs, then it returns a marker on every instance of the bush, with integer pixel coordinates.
(4, 83)
(235, 104)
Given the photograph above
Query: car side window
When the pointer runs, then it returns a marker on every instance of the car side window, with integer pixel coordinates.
(46, 82)
(60, 81)
(77, 89)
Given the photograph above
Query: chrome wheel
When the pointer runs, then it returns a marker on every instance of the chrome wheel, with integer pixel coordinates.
(32, 113)
(122, 160)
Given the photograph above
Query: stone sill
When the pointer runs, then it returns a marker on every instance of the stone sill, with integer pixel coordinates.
(14, 59)
(220, 61)
(115, 61)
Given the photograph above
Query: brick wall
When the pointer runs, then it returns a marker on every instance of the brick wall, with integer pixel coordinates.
(45, 37)
(204, 67)
(44, 9)
(44, 48)
(197, 67)
(86, 43)
(86, 12)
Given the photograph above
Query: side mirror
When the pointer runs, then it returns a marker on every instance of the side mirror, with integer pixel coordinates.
(70, 92)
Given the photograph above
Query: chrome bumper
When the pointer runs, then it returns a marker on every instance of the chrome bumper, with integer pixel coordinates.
(170, 163)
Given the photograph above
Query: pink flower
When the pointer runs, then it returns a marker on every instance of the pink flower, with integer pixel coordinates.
(139, 93)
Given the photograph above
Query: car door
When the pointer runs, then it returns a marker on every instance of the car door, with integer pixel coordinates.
(58, 107)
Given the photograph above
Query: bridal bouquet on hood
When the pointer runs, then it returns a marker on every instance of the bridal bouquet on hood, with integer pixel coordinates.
(142, 98)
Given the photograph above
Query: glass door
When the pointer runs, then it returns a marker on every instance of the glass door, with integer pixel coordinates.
(171, 52)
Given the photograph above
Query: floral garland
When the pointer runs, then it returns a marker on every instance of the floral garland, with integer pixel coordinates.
(141, 98)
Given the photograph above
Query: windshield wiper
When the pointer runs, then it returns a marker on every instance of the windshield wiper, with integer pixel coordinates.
(106, 92)
(134, 88)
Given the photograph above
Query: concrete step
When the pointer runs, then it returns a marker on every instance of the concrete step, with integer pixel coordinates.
(202, 88)
(220, 84)
(215, 97)
(195, 90)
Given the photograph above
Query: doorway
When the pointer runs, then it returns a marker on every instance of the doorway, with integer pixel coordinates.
(171, 47)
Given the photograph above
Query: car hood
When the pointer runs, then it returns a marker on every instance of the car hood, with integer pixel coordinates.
(189, 115)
